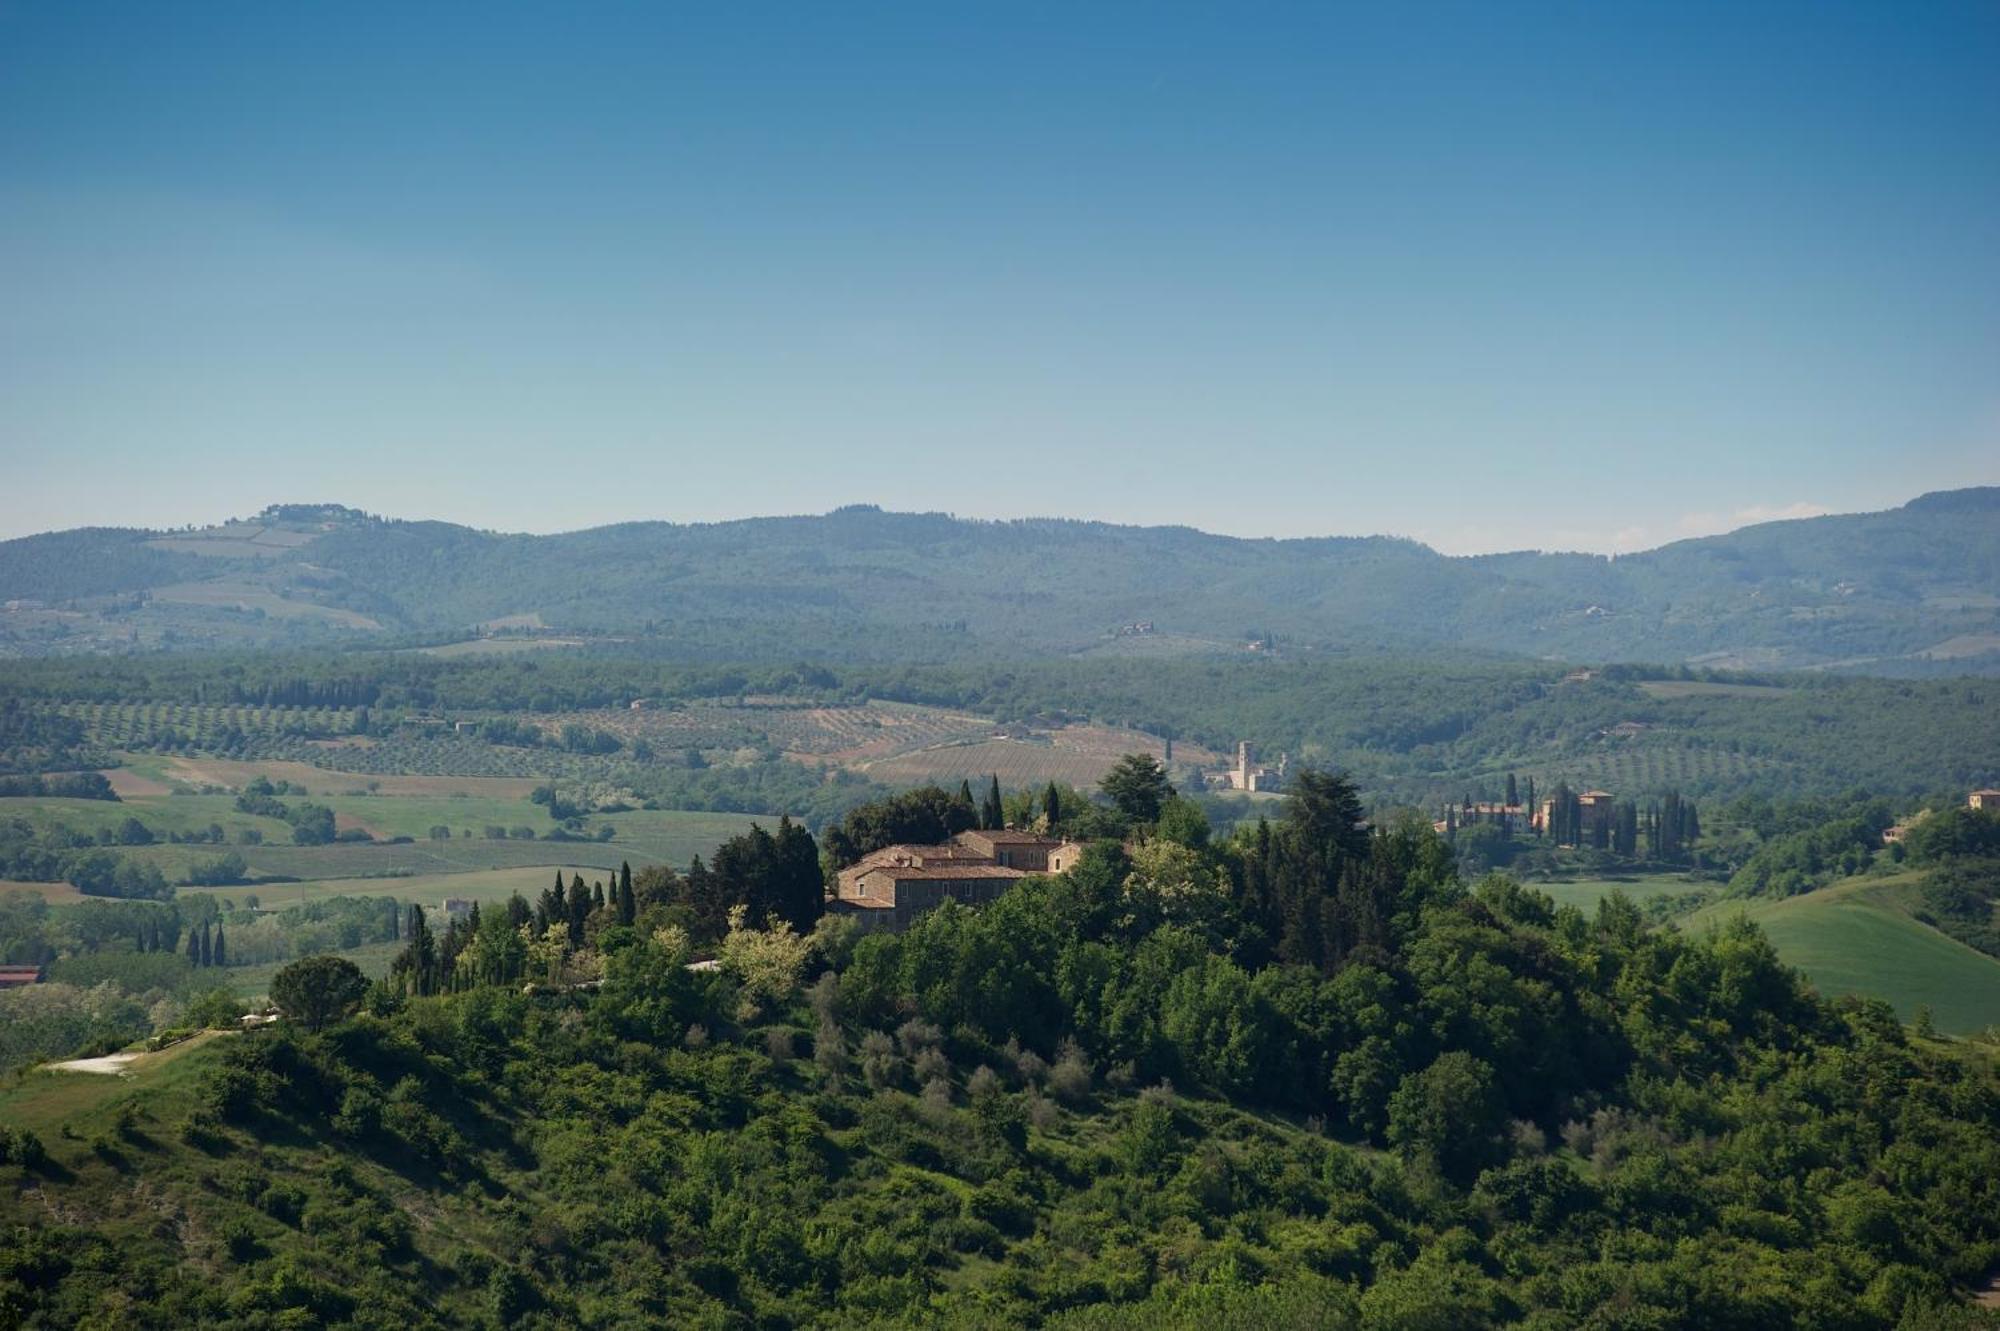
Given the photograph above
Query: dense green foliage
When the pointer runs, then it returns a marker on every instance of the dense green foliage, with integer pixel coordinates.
(1307, 1077)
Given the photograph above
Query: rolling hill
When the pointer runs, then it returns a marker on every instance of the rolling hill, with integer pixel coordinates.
(1913, 590)
(1860, 937)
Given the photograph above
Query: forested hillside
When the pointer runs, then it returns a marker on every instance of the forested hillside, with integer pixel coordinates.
(1913, 590)
(1310, 1078)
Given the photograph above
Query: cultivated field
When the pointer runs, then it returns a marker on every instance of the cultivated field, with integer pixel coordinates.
(1857, 937)
(56, 894)
(250, 596)
(799, 728)
(1624, 766)
(1075, 755)
(481, 885)
(1585, 893)
(324, 781)
(118, 724)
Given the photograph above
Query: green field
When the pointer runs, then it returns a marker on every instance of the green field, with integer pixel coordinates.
(482, 885)
(1585, 893)
(1857, 937)
(255, 981)
(163, 814)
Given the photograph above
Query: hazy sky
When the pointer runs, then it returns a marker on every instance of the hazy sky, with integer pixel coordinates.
(1592, 276)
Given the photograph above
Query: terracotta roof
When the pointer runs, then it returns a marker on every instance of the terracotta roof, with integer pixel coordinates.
(949, 850)
(941, 872)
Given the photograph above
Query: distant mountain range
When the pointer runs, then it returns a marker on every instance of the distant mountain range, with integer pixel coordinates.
(1913, 590)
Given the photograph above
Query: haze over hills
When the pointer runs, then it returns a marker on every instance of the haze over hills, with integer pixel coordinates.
(1910, 590)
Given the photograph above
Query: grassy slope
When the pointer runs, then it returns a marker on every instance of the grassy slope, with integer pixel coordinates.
(482, 885)
(1858, 937)
(43, 1102)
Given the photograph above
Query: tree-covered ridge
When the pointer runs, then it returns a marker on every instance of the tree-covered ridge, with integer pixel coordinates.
(1419, 730)
(1303, 1077)
(1879, 589)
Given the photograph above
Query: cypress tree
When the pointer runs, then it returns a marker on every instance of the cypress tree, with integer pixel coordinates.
(597, 896)
(993, 814)
(625, 881)
(206, 947)
(1052, 806)
(194, 948)
(1513, 791)
(221, 946)
(579, 910)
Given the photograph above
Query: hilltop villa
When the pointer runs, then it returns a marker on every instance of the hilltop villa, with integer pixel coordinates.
(892, 886)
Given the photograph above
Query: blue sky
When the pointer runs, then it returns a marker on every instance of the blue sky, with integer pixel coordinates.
(1588, 276)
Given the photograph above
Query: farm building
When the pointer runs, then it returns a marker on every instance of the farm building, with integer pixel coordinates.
(1984, 799)
(892, 886)
(13, 977)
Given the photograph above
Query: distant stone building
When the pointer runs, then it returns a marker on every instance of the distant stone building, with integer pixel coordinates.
(1596, 817)
(889, 888)
(1988, 800)
(1247, 776)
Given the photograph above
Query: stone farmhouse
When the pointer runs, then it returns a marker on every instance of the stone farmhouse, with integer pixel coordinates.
(891, 887)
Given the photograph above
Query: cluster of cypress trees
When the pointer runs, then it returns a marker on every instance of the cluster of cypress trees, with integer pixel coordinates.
(206, 949)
